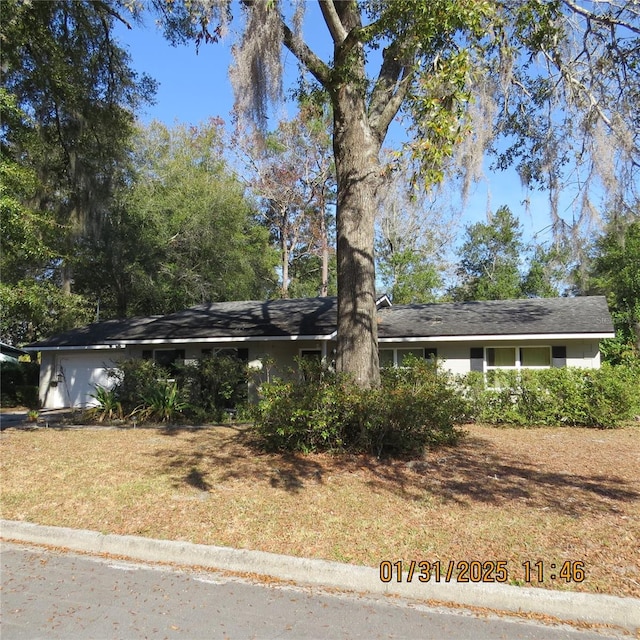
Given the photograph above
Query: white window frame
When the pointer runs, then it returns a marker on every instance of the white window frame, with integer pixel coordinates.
(517, 366)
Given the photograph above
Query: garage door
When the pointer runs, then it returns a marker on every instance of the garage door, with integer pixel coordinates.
(78, 377)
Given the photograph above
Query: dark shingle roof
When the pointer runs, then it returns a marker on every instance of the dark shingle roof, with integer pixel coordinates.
(497, 317)
(317, 317)
(277, 318)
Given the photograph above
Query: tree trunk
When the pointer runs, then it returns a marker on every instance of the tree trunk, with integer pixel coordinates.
(324, 251)
(357, 170)
(284, 253)
(67, 278)
(636, 330)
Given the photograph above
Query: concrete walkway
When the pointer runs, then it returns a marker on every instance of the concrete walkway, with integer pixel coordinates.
(17, 418)
(566, 606)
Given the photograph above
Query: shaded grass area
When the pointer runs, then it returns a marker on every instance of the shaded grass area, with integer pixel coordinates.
(501, 494)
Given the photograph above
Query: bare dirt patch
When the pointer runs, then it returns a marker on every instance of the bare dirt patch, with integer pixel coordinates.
(502, 494)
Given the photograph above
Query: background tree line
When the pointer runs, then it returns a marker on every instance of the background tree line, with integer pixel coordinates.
(104, 218)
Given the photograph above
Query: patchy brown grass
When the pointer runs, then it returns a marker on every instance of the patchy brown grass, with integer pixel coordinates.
(504, 494)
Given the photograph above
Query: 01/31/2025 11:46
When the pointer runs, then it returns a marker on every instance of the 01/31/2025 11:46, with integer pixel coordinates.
(479, 571)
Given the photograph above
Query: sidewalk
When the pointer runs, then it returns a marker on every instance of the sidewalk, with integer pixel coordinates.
(566, 606)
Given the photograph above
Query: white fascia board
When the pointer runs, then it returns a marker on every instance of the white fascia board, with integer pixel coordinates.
(224, 339)
(504, 338)
(124, 343)
(91, 347)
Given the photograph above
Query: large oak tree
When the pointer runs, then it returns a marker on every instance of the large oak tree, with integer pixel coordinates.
(68, 100)
(546, 73)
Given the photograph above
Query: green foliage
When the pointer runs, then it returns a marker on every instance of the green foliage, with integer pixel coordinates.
(409, 277)
(32, 309)
(136, 380)
(548, 271)
(604, 397)
(204, 391)
(162, 401)
(214, 386)
(182, 232)
(321, 410)
(616, 273)
(67, 104)
(495, 264)
(489, 259)
(305, 274)
(19, 384)
(27, 234)
(291, 172)
(108, 407)
(619, 350)
(143, 391)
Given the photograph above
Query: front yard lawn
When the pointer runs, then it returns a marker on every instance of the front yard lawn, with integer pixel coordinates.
(548, 494)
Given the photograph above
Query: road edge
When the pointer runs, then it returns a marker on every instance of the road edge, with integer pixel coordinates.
(576, 607)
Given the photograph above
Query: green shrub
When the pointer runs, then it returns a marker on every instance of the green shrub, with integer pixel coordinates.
(19, 383)
(27, 395)
(214, 386)
(135, 380)
(305, 414)
(415, 407)
(205, 390)
(603, 397)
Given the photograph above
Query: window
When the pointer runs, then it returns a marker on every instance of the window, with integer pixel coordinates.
(501, 357)
(241, 354)
(309, 365)
(386, 357)
(169, 358)
(396, 357)
(311, 354)
(492, 358)
(535, 357)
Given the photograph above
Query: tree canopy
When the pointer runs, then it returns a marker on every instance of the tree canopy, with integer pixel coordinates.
(182, 233)
(558, 78)
(67, 101)
(615, 271)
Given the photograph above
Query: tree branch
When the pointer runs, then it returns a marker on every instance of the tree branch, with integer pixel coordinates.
(389, 91)
(336, 28)
(320, 71)
(606, 19)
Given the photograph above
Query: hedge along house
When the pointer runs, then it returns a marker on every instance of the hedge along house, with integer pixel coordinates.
(467, 336)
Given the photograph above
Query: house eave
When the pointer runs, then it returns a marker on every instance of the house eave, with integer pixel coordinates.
(71, 347)
(503, 337)
(121, 344)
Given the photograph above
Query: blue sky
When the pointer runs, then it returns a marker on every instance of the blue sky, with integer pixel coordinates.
(194, 86)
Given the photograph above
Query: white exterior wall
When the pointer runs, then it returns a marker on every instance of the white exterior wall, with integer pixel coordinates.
(454, 356)
(584, 353)
(68, 378)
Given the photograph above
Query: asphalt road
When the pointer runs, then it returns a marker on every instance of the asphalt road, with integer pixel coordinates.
(50, 594)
